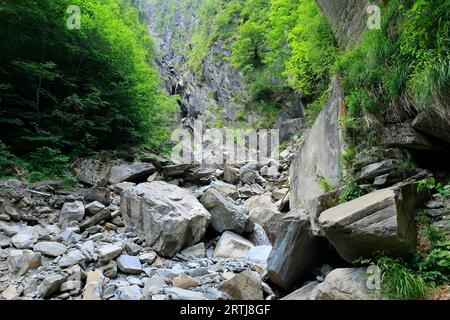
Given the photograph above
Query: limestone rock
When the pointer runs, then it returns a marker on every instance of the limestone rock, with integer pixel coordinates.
(148, 257)
(320, 155)
(231, 245)
(226, 215)
(51, 249)
(20, 261)
(196, 251)
(131, 172)
(185, 282)
(230, 174)
(91, 172)
(263, 212)
(94, 208)
(304, 293)
(296, 249)
(129, 293)
(94, 286)
(119, 187)
(344, 284)
(100, 194)
(259, 253)
(50, 285)
(404, 135)
(244, 286)
(376, 169)
(169, 217)
(73, 211)
(108, 252)
(380, 221)
(129, 264)
(225, 189)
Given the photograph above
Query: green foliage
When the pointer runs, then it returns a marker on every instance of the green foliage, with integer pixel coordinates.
(435, 267)
(431, 185)
(398, 281)
(78, 90)
(405, 65)
(282, 47)
(326, 186)
(351, 189)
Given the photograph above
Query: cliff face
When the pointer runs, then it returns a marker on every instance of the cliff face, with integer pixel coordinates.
(220, 92)
(347, 17)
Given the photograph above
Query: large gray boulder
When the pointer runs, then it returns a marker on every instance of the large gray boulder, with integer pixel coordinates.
(296, 250)
(346, 284)
(264, 212)
(433, 125)
(131, 172)
(380, 221)
(71, 211)
(169, 217)
(226, 215)
(320, 156)
(91, 172)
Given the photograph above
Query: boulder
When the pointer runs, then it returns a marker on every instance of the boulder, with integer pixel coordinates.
(380, 221)
(345, 284)
(295, 251)
(259, 253)
(405, 136)
(20, 261)
(304, 293)
(50, 285)
(25, 239)
(51, 249)
(169, 217)
(231, 245)
(178, 170)
(320, 155)
(100, 194)
(72, 211)
(119, 187)
(195, 252)
(108, 252)
(374, 170)
(91, 172)
(226, 215)
(185, 282)
(133, 292)
(225, 189)
(131, 172)
(94, 207)
(230, 174)
(129, 264)
(94, 286)
(72, 258)
(246, 285)
(148, 257)
(265, 213)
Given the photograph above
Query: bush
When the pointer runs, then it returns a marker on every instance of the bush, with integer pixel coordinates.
(399, 282)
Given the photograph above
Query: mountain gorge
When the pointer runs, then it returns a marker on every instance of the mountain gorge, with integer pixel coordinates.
(355, 205)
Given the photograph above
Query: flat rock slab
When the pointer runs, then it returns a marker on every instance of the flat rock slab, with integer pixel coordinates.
(380, 221)
(231, 245)
(51, 249)
(129, 264)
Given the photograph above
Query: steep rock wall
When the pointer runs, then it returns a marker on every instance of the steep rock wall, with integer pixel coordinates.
(320, 155)
(347, 17)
